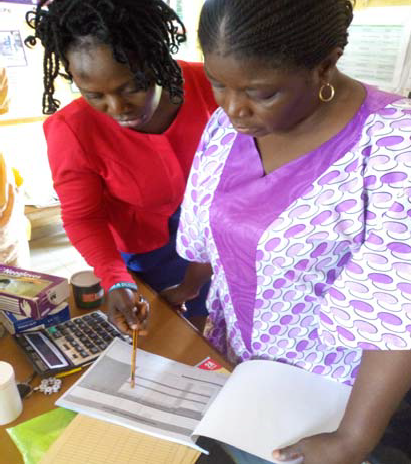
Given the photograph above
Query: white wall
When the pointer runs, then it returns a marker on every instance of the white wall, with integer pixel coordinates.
(24, 147)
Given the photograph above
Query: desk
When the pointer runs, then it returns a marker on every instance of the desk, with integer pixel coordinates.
(169, 335)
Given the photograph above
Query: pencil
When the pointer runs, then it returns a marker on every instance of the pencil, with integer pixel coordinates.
(133, 359)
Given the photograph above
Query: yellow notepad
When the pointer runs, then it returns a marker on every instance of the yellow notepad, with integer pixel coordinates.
(92, 441)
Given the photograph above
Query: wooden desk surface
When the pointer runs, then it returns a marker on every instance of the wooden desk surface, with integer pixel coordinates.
(169, 335)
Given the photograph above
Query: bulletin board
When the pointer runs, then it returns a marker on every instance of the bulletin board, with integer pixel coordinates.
(379, 45)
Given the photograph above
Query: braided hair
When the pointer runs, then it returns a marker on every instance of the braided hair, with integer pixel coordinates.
(283, 33)
(143, 33)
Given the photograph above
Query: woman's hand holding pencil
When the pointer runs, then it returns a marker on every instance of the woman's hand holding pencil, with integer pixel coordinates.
(128, 311)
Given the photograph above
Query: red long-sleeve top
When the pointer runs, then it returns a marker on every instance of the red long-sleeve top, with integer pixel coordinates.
(118, 187)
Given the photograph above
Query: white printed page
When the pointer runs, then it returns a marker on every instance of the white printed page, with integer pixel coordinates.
(267, 405)
(168, 401)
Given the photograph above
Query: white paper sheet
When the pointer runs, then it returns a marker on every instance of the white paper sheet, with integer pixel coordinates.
(168, 402)
(267, 405)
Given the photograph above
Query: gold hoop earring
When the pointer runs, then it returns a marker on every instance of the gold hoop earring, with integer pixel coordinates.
(332, 92)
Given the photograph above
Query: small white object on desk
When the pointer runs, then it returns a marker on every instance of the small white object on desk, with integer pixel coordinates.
(10, 401)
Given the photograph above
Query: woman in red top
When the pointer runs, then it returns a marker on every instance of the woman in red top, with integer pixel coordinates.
(121, 154)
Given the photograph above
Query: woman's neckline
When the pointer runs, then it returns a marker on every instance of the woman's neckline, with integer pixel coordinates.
(350, 131)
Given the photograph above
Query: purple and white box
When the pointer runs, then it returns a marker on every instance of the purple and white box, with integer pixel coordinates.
(15, 323)
(31, 294)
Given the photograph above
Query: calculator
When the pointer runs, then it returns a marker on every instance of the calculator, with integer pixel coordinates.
(71, 344)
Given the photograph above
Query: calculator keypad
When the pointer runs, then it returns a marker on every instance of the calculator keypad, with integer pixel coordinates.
(83, 338)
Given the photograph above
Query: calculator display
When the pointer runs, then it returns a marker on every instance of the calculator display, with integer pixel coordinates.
(47, 352)
(69, 344)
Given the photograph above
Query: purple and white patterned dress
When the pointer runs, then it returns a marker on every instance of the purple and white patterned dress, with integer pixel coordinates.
(312, 262)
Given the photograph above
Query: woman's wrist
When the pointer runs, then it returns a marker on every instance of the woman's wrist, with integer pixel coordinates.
(359, 442)
(129, 285)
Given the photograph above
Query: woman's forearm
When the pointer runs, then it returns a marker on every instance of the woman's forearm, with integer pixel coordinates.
(197, 274)
(383, 379)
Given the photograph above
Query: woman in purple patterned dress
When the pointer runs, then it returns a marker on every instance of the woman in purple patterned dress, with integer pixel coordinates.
(299, 204)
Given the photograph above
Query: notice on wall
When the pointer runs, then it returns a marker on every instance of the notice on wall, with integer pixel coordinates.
(379, 47)
(24, 67)
(11, 49)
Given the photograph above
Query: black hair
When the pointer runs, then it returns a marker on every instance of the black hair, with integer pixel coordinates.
(283, 33)
(140, 32)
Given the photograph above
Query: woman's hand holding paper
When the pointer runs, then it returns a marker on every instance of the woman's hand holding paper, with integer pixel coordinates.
(330, 448)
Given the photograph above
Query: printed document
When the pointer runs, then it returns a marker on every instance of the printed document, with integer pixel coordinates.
(378, 47)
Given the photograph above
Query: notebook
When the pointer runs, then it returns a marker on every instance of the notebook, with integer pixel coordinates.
(91, 441)
(263, 405)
